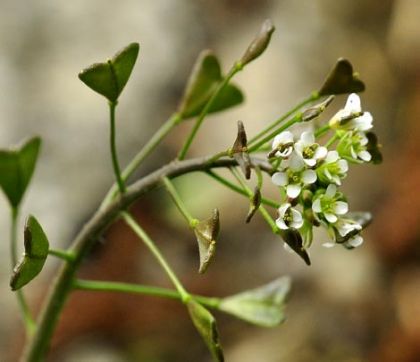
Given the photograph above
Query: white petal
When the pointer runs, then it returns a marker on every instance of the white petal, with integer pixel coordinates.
(293, 191)
(285, 153)
(316, 206)
(283, 208)
(285, 137)
(296, 224)
(320, 152)
(308, 177)
(296, 162)
(331, 218)
(343, 165)
(363, 140)
(365, 156)
(329, 244)
(308, 137)
(279, 179)
(341, 207)
(296, 215)
(355, 241)
(332, 156)
(331, 191)
(299, 146)
(353, 103)
(281, 224)
(364, 122)
(310, 161)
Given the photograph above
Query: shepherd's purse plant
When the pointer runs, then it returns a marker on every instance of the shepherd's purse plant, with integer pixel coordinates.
(307, 169)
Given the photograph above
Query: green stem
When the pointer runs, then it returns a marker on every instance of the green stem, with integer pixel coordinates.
(332, 140)
(115, 164)
(239, 190)
(148, 148)
(178, 201)
(313, 97)
(322, 130)
(265, 214)
(235, 69)
(106, 286)
(29, 323)
(157, 254)
(285, 126)
(62, 254)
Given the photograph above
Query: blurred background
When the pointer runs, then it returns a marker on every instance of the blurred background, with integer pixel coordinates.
(360, 305)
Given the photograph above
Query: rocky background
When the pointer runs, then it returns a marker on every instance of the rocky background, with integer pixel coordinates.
(361, 305)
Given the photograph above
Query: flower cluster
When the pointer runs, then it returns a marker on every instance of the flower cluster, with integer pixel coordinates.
(309, 174)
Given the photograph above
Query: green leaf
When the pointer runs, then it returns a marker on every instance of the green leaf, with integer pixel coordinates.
(16, 169)
(342, 79)
(36, 252)
(263, 306)
(203, 81)
(110, 78)
(206, 232)
(206, 326)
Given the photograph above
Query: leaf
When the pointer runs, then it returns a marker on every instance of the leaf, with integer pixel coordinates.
(263, 306)
(110, 78)
(342, 79)
(259, 44)
(206, 232)
(36, 252)
(206, 326)
(16, 169)
(202, 83)
(293, 238)
(240, 151)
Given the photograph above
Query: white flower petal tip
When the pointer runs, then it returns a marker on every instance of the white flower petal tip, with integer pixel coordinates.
(328, 245)
(331, 191)
(279, 179)
(353, 103)
(281, 224)
(308, 177)
(341, 207)
(355, 241)
(307, 137)
(316, 206)
(331, 218)
(293, 191)
(365, 156)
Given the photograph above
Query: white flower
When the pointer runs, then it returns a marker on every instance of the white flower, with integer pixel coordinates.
(333, 169)
(310, 151)
(289, 217)
(351, 116)
(345, 226)
(283, 143)
(353, 145)
(293, 176)
(328, 204)
(354, 241)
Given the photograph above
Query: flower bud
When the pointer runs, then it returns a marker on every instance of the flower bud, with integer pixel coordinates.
(313, 112)
(259, 44)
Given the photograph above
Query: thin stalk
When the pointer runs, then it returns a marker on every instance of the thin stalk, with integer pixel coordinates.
(239, 190)
(178, 201)
(235, 69)
(115, 164)
(62, 254)
(157, 254)
(332, 140)
(313, 97)
(285, 126)
(322, 130)
(145, 151)
(28, 321)
(105, 286)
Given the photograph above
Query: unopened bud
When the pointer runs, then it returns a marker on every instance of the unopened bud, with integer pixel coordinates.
(259, 44)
